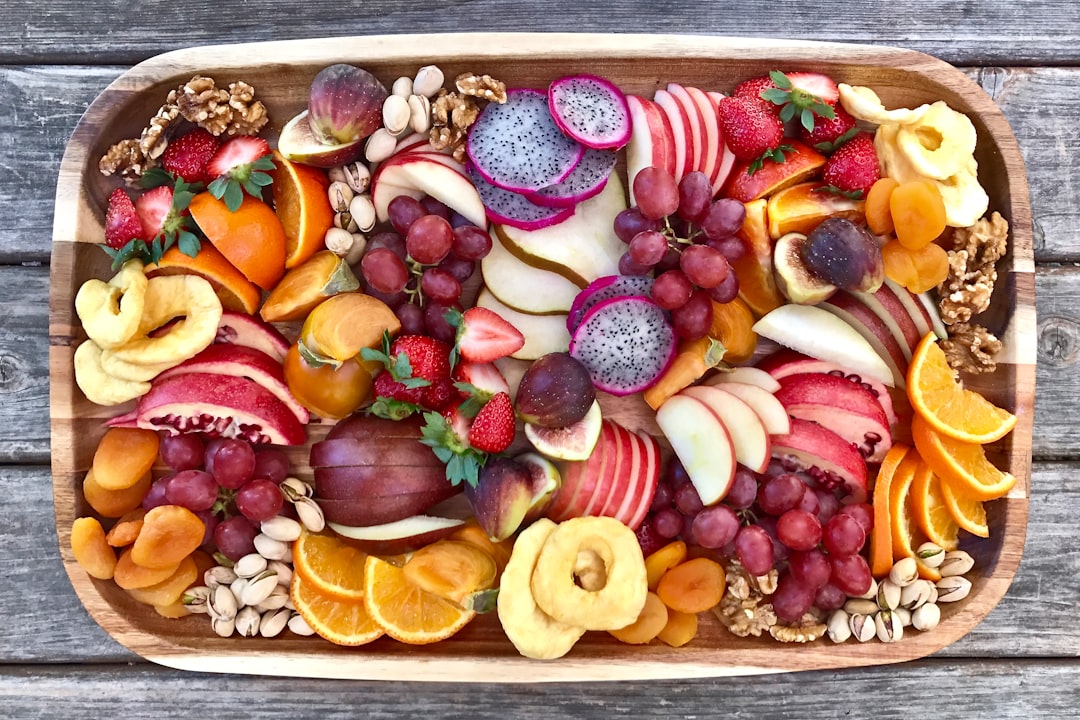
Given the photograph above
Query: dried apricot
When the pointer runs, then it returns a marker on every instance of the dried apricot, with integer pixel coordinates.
(693, 586)
(681, 628)
(203, 561)
(931, 265)
(123, 457)
(650, 622)
(878, 214)
(918, 213)
(91, 550)
(169, 534)
(168, 590)
(899, 265)
(114, 503)
(663, 560)
(130, 576)
(126, 529)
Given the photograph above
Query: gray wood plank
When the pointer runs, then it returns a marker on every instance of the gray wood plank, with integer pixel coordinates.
(935, 688)
(45, 622)
(972, 33)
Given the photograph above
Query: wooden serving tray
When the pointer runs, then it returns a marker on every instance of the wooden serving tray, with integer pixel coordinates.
(281, 72)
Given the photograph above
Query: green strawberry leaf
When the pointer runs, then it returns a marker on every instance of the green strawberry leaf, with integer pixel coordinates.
(780, 80)
(390, 409)
(829, 148)
(833, 190)
(155, 177)
(189, 243)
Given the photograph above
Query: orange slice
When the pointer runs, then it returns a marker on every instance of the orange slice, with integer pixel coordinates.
(881, 543)
(302, 205)
(251, 238)
(950, 409)
(969, 514)
(330, 566)
(404, 611)
(905, 537)
(342, 622)
(932, 515)
(757, 286)
(235, 291)
(963, 465)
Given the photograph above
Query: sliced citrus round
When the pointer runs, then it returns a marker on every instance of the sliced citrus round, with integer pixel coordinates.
(235, 291)
(950, 409)
(302, 205)
(251, 238)
(329, 565)
(404, 611)
(905, 536)
(881, 543)
(969, 514)
(931, 514)
(963, 465)
(343, 622)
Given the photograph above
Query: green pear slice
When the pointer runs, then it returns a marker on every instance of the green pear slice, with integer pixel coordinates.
(524, 287)
(581, 248)
(543, 333)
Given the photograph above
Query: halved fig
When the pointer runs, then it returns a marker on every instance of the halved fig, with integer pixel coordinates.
(573, 442)
(793, 278)
(243, 329)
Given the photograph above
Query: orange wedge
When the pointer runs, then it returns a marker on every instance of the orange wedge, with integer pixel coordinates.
(881, 542)
(235, 291)
(404, 611)
(905, 537)
(969, 514)
(342, 622)
(302, 205)
(757, 286)
(963, 465)
(951, 410)
(932, 515)
(251, 238)
(329, 566)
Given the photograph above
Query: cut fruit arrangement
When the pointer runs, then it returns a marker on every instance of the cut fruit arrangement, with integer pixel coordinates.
(578, 399)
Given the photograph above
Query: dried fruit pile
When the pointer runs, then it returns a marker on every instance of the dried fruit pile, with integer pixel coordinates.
(462, 285)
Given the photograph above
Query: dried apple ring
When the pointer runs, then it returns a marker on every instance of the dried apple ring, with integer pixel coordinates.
(940, 143)
(864, 104)
(99, 386)
(619, 602)
(110, 311)
(534, 633)
(131, 371)
(168, 297)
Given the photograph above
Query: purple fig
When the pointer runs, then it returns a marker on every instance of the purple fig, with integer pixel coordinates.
(345, 104)
(502, 497)
(841, 253)
(546, 481)
(556, 391)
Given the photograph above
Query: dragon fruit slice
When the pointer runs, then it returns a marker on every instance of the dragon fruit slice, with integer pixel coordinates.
(514, 209)
(605, 288)
(588, 179)
(591, 110)
(626, 343)
(218, 405)
(517, 146)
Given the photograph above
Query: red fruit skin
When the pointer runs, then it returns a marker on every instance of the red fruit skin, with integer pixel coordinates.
(385, 386)
(440, 394)
(485, 377)
(240, 150)
(122, 222)
(752, 88)
(429, 358)
(750, 127)
(817, 84)
(493, 427)
(828, 131)
(854, 167)
(153, 207)
(486, 336)
(188, 156)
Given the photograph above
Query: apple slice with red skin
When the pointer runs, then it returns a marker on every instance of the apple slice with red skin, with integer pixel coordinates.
(397, 537)
(651, 478)
(419, 153)
(383, 192)
(891, 311)
(745, 375)
(747, 432)
(591, 482)
(727, 158)
(622, 473)
(702, 444)
(579, 481)
(346, 482)
(712, 148)
(810, 445)
(921, 311)
(769, 410)
(433, 177)
(873, 330)
(361, 427)
(695, 130)
(242, 361)
(651, 141)
(848, 409)
(344, 452)
(607, 483)
(249, 331)
(680, 124)
(624, 499)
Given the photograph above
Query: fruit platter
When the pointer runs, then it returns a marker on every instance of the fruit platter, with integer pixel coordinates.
(525, 357)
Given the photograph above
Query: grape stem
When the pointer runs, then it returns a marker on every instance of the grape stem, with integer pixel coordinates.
(669, 232)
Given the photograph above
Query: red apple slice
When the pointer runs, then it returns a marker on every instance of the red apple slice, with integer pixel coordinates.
(342, 452)
(727, 158)
(873, 330)
(695, 129)
(651, 474)
(829, 458)
(651, 141)
(435, 178)
(702, 444)
(769, 410)
(379, 510)
(746, 376)
(713, 149)
(683, 143)
(747, 432)
(364, 427)
(383, 192)
(610, 438)
(412, 141)
(625, 473)
(848, 409)
(580, 480)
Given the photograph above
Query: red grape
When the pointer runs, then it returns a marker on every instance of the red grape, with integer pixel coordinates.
(648, 248)
(232, 464)
(235, 537)
(829, 597)
(440, 286)
(667, 523)
(743, 490)
(411, 318)
(471, 242)
(662, 497)
(779, 494)
(716, 526)
(391, 300)
(627, 266)
(155, 496)
(723, 219)
(695, 192)
(809, 503)
(647, 538)
(843, 535)
(791, 600)
(704, 266)
(731, 248)
(182, 452)
(437, 327)
(688, 530)
(259, 500)
(798, 529)
(828, 505)
(630, 222)
(726, 291)
(851, 574)
(672, 289)
(459, 267)
(384, 271)
(694, 318)
(862, 512)
(434, 207)
(389, 240)
(677, 474)
(193, 489)
(429, 239)
(210, 523)
(670, 261)
(687, 499)
(811, 568)
(755, 550)
(656, 193)
(272, 464)
(404, 211)
(780, 550)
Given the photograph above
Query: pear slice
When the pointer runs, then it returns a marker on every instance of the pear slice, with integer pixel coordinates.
(524, 287)
(543, 333)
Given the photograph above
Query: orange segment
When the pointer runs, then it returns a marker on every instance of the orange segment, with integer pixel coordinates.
(235, 291)
(905, 537)
(330, 566)
(962, 465)
(969, 514)
(757, 286)
(881, 544)
(928, 504)
(950, 409)
(251, 238)
(404, 611)
(302, 205)
(342, 622)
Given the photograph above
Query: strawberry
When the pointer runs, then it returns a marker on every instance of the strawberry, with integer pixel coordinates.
(821, 86)
(854, 167)
(447, 435)
(804, 94)
(441, 394)
(828, 135)
(750, 129)
(429, 358)
(122, 222)
(752, 88)
(479, 380)
(416, 375)
(154, 208)
(188, 155)
(492, 430)
(483, 335)
(236, 167)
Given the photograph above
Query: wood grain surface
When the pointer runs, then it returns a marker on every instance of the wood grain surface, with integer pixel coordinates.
(55, 59)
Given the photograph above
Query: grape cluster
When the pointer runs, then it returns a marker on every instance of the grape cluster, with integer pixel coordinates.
(778, 519)
(689, 240)
(418, 268)
(226, 482)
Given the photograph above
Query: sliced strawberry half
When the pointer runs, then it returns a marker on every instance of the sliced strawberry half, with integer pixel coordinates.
(153, 208)
(236, 167)
(803, 95)
(188, 155)
(483, 336)
(122, 223)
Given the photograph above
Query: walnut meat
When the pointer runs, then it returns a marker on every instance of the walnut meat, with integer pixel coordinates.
(484, 87)
(744, 610)
(971, 348)
(967, 288)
